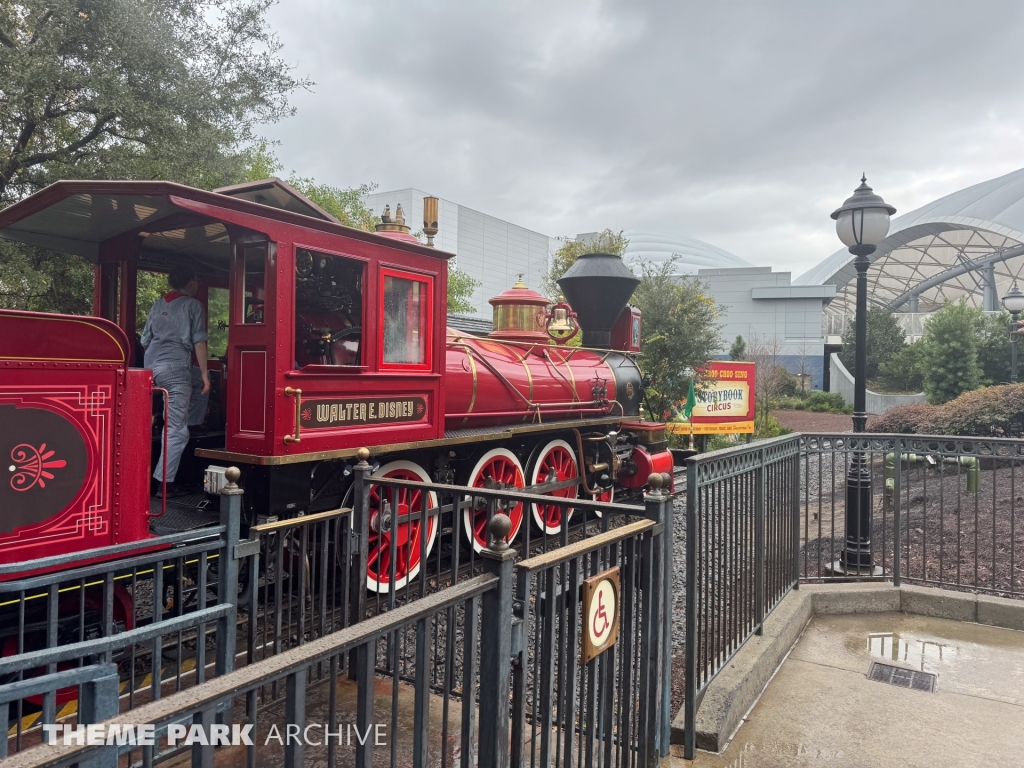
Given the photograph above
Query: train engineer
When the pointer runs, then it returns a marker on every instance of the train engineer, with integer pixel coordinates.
(174, 335)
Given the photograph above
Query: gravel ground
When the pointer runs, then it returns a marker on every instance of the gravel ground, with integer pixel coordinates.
(678, 602)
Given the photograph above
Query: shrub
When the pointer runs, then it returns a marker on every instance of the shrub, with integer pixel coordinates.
(768, 426)
(884, 340)
(787, 404)
(989, 412)
(994, 348)
(718, 442)
(789, 385)
(913, 419)
(826, 402)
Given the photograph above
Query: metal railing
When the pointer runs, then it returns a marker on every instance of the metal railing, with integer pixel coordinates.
(165, 618)
(615, 709)
(741, 555)
(944, 510)
(296, 573)
(458, 706)
(937, 510)
(307, 576)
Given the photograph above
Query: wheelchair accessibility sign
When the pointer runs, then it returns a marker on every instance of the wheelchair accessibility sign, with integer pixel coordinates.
(600, 613)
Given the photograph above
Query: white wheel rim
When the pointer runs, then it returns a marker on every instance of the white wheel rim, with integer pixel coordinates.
(383, 586)
(467, 516)
(539, 517)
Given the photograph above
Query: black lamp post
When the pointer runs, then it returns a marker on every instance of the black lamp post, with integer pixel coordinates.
(1014, 303)
(861, 223)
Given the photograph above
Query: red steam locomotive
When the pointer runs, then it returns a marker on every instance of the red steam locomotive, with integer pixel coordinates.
(334, 339)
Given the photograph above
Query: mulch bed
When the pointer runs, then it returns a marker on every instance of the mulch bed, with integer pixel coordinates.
(809, 421)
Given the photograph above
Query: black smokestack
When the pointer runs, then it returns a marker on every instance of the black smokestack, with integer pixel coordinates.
(598, 287)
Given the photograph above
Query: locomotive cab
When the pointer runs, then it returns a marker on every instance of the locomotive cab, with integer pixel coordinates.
(322, 338)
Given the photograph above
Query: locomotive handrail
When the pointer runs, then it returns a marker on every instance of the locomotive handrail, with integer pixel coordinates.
(297, 394)
(458, 337)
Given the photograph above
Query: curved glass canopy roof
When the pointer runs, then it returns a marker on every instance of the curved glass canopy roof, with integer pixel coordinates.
(966, 244)
(653, 248)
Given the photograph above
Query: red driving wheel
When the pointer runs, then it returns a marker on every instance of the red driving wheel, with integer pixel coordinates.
(407, 536)
(555, 462)
(498, 468)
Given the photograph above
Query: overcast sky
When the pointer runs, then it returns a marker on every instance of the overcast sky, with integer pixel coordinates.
(740, 124)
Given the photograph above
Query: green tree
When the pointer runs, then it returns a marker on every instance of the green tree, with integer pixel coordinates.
(738, 350)
(994, 347)
(153, 88)
(951, 352)
(344, 203)
(680, 333)
(904, 371)
(884, 339)
(460, 289)
(606, 242)
(44, 281)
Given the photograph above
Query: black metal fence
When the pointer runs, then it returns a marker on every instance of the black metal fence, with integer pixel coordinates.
(941, 511)
(435, 672)
(741, 555)
(164, 613)
(613, 710)
(944, 511)
(395, 540)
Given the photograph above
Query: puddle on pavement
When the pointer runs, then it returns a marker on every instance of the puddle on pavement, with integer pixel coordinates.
(751, 754)
(911, 651)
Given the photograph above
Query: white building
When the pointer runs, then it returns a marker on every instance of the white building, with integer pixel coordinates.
(492, 251)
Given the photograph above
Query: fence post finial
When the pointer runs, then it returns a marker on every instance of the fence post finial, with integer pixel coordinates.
(499, 528)
(232, 475)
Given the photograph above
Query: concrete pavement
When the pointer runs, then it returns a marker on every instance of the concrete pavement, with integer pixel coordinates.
(822, 710)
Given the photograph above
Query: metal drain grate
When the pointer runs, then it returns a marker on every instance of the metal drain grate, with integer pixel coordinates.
(904, 678)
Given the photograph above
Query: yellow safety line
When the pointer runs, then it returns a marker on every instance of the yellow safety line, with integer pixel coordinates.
(146, 572)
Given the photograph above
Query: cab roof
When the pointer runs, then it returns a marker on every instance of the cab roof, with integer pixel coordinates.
(78, 216)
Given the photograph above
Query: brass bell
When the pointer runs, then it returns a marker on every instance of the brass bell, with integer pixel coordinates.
(560, 321)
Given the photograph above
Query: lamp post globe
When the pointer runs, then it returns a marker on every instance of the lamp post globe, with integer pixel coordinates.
(1014, 303)
(1014, 300)
(862, 223)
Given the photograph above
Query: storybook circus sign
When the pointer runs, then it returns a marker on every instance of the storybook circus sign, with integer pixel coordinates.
(724, 402)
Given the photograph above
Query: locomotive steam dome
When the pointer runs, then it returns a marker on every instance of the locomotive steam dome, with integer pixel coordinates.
(520, 315)
(597, 287)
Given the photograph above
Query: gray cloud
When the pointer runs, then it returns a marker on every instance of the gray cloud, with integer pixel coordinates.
(742, 124)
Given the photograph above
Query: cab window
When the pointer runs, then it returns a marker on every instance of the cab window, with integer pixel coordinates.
(254, 259)
(407, 322)
(328, 309)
